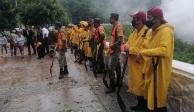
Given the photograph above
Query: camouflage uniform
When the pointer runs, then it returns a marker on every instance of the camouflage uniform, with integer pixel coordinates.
(61, 49)
(114, 62)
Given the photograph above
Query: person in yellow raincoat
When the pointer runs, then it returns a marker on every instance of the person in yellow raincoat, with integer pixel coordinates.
(68, 34)
(83, 35)
(74, 39)
(86, 47)
(136, 42)
(161, 46)
(80, 34)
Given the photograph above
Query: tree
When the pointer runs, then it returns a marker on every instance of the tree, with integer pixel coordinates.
(8, 14)
(42, 12)
(79, 9)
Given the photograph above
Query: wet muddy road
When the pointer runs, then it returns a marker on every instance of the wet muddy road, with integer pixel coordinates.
(26, 86)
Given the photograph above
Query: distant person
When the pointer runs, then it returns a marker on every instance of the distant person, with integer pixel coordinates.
(39, 44)
(31, 41)
(61, 49)
(3, 43)
(12, 42)
(20, 40)
(45, 33)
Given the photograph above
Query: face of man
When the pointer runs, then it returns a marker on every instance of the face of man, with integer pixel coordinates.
(86, 28)
(112, 20)
(96, 25)
(150, 21)
(19, 34)
(136, 22)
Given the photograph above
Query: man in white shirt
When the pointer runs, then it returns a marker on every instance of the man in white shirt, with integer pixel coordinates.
(20, 40)
(45, 34)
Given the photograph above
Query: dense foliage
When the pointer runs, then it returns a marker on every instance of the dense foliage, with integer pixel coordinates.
(31, 12)
(8, 15)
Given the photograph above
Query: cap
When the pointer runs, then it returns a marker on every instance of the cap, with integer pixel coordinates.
(97, 21)
(139, 16)
(156, 12)
(115, 15)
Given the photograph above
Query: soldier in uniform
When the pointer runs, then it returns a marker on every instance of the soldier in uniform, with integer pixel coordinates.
(116, 40)
(99, 45)
(61, 49)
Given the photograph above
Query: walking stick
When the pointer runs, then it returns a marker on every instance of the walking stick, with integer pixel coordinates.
(52, 67)
(52, 62)
(104, 80)
(95, 61)
(119, 99)
(84, 57)
(155, 63)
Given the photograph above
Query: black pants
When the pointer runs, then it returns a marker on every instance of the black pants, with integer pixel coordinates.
(31, 44)
(4, 47)
(12, 49)
(40, 51)
(100, 58)
(46, 45)
(114, 66)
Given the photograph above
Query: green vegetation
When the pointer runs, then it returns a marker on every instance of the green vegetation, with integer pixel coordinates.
(8, 15)
(31, 12)
(183, 51)
(42, 12)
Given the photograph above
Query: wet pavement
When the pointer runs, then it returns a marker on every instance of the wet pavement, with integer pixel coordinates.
(26, 86)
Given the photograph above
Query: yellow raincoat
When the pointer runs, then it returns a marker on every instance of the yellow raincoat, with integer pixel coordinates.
(68, 34)
(161, 45)
(86, 47)
(74, 37)
(80, 32)
(135, 43)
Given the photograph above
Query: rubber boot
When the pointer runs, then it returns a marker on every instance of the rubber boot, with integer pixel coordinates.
(164, 109)
(61, 76)
(141, 105)
(118, 73)
(112, 83)
(65, 72)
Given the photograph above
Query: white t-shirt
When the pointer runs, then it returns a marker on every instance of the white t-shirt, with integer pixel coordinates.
(20, 40)
(45, 32)
(3, 40)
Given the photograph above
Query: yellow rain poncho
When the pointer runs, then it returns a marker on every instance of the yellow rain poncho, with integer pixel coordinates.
(135, 43)
(86, 47)
(161, 45)
(74, 36)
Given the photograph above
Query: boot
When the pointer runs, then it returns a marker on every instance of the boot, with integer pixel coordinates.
(164, 109)
(61, 76)
(65, 72)
(141, 105)
(118, 73)
(112, 88)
